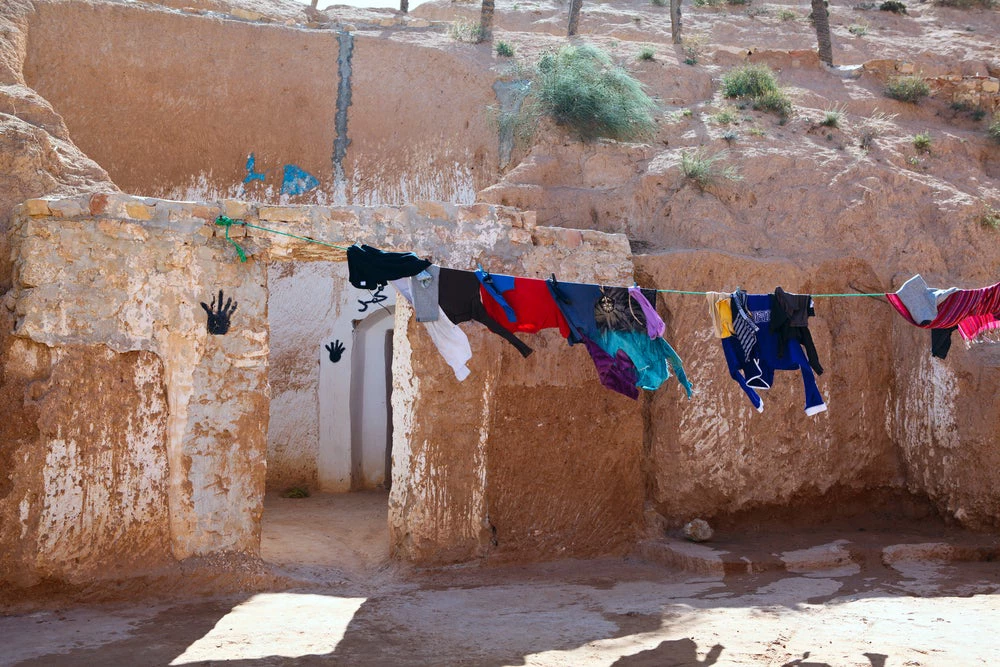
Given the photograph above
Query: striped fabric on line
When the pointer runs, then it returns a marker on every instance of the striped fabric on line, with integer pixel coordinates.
(743, 325)
(973, 311)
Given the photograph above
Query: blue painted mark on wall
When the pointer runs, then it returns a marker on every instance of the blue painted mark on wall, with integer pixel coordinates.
(297, 181)
(252, 173)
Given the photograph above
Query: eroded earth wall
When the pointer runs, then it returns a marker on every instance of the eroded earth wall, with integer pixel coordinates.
(194, 96)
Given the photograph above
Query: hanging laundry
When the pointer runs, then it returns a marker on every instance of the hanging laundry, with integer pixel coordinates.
(975, 312)
(425, 286)
(458, 296)
(758, 371)
(743, 324)
(617, 373)
(746, 371)
(448, 337)
(653, 358)
(532, 303)
(370, 267)
(496, 286)
(577, 301)
(941, 342)
(646, 299)
(790, 315)
(616, 311)
(921, 302)
(720, 308)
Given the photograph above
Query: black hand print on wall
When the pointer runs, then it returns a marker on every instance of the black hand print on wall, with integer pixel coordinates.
(336, 350)
(218, 317)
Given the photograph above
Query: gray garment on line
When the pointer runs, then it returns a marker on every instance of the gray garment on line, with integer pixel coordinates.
(921, 300)
(424, 287)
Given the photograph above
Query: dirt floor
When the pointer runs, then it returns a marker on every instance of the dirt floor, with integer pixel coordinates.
(352, 606)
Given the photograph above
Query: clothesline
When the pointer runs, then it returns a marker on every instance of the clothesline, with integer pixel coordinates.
(619, 326)
(226, 222)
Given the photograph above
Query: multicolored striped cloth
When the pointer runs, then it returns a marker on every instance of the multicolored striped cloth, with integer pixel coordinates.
(973, 311)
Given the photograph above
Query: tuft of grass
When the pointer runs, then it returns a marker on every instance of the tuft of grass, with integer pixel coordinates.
(909, 88)
(466, 31)
(646, 53)
(832, 117)
(295, 492)
(727, 116)
(749, 81)
(788, 15)
(775, 102)
(704, 169)
(922, 142)
(504, 50)
(754, 12)
(990, 217)
(730, 136)
(580, 88)
(858, 29)
(659, 3)
(693, 46)
(894, 6)
(757, 84)
(687, 113)
(874, 127)
(994, 129)
(756, 132)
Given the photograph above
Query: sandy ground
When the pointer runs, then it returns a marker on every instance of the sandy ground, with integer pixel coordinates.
(356, 608)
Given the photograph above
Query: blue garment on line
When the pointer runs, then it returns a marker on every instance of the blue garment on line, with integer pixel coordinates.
(576, 301)
(496, 284)
(757, 372)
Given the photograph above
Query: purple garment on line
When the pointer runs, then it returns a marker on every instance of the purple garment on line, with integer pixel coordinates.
(654, 323)
(617, 373)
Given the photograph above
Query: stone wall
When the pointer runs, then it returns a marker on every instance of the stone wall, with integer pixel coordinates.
(107, 289)
(973, 91)
(110, 277)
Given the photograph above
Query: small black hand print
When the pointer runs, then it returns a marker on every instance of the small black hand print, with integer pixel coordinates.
(336, 349)
(218, 318)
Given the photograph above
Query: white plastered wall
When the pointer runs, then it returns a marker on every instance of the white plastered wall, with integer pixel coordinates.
(310, 305)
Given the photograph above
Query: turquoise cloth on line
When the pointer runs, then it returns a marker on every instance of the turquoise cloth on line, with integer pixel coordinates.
(653, 357)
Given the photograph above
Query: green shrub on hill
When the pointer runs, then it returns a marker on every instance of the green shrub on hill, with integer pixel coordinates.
(994, 130)
(580, 88)
(758, 85)
(908, 88)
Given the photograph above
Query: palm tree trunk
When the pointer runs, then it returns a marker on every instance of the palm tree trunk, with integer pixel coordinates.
(574, 16)
(486, 22)
(404, 6)
(821, 20)
(314, 3)
(675, 21)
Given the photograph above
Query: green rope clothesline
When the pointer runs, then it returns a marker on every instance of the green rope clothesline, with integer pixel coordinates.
(223, 221)
(677, 291)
